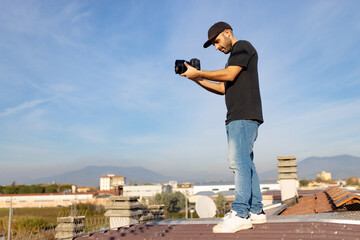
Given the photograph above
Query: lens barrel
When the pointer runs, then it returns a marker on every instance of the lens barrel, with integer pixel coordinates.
(180, 66)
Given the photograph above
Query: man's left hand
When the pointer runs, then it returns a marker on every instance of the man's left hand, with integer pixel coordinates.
(191, 72)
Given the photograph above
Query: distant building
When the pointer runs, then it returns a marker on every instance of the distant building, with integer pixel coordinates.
(271, 184)
(186, 185)
(83, 189)
(173, 184)
(146, 191)
(187, 191)
(224, 187)
(213, 188)
(111, 182)
(185, 188)
(324, 176)
(38, 200)
(79, 189)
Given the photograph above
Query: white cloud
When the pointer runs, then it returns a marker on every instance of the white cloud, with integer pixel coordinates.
(24, 106)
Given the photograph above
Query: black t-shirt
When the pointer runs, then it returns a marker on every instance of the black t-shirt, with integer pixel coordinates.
(242, 96)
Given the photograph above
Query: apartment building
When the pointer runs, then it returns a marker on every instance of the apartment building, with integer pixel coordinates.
(111, 182)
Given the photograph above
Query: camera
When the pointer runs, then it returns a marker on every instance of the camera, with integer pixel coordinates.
(181, 68)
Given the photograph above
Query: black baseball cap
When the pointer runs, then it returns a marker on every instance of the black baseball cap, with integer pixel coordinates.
(215, 30)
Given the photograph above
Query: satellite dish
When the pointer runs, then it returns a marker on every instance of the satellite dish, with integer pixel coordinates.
(205, 207)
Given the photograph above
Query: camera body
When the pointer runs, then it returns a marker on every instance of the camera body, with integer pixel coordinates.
(181, 68)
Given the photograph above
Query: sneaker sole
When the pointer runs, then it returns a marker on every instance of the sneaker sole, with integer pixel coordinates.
(242, 227)
(258, 221)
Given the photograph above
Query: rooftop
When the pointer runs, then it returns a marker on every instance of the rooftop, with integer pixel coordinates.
(202, 229)
(331, 219)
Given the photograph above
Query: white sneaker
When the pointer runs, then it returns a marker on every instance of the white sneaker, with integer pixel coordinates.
(258, 218)
(232, 223)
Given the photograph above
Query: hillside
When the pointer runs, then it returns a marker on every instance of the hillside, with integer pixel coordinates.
(342, 166)
(90, 176)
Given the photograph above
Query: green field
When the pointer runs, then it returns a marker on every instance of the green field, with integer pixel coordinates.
(42, 221)
(48, 214)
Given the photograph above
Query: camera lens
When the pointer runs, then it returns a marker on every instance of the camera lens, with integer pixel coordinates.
(180, 66)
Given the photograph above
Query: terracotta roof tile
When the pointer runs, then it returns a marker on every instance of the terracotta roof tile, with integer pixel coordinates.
(306, 205)
(323, 203)
(343, 198)
(331, 199)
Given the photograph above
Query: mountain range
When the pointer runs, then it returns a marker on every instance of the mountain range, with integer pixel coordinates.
(342, 166)
(90, 176)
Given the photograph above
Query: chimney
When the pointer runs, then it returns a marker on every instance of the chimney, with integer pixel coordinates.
(123, 211)
(288, 179)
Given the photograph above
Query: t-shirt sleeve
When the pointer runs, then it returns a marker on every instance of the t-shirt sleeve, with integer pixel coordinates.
(241, 55)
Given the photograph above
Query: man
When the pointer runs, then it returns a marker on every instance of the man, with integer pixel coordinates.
(240, 85)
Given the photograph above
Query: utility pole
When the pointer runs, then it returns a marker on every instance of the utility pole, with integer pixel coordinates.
(10, 219)
(186, 207)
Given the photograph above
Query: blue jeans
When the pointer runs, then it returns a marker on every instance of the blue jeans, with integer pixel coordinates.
(241, 135)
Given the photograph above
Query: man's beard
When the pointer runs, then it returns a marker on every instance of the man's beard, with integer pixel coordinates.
(227, 44)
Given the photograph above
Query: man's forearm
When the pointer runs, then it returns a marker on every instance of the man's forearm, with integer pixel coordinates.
(223, 75)
(217, 88)
(219, 75)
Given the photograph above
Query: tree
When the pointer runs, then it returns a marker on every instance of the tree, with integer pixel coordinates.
(53, 188)
(11, 190)
(37, 189)
(171, 201)
(162, 198)
(24, 189)
(304, 182)
(64, 187)
(180, 200)
(220, 202)
(352, 181)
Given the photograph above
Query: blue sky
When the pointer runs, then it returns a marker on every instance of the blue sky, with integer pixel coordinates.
(92, 83)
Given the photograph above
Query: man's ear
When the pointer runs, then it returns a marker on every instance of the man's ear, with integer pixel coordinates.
(228, 32)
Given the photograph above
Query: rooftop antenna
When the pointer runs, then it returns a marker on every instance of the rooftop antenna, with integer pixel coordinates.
(205, 207)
